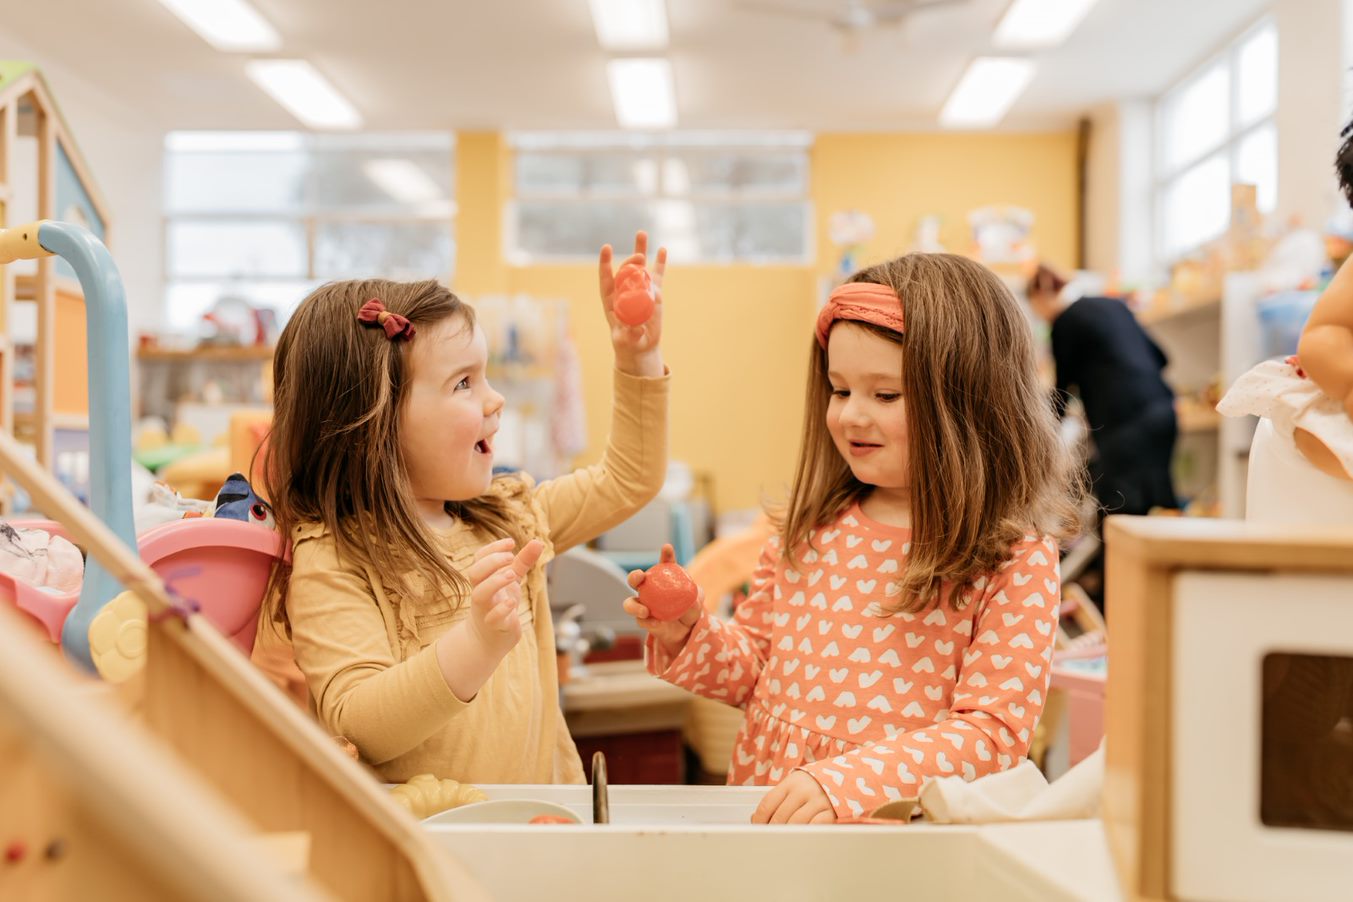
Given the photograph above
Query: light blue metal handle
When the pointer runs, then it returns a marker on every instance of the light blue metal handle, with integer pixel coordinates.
(110, 426)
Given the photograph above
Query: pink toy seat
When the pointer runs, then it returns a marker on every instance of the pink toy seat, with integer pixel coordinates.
(221, 564)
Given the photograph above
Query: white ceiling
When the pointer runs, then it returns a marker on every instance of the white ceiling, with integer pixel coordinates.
(535, 64)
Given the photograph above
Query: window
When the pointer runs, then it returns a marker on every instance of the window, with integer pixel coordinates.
(1214, 129)
(267, 216)
(715, 198)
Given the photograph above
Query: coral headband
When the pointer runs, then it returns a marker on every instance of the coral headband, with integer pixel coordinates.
(863, 302)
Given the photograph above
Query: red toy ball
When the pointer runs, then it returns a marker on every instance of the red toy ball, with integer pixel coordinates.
(667, 591)
(634, 295)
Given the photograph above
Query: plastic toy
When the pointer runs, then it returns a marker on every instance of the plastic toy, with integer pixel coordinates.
(218, 564)
(667, 590)
(634, 303)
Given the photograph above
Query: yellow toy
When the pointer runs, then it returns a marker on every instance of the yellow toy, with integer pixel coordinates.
(117, 638)
(425, 795)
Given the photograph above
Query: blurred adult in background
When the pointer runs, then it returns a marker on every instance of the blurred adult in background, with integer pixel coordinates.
(1104, 357)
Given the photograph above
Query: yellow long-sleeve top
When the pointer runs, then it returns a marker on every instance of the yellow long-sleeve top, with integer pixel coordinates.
(367, 653)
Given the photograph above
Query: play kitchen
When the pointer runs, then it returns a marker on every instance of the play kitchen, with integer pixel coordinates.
(665, 842)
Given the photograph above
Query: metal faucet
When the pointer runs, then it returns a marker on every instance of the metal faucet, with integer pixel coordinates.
(601, 796)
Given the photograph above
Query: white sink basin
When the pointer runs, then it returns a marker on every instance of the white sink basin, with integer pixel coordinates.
(682, 843)
(645, 806)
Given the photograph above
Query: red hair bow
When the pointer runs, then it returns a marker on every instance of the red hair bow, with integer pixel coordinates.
(373, 313)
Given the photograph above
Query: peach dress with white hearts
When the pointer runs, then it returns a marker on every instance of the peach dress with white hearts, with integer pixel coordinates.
(871, 704)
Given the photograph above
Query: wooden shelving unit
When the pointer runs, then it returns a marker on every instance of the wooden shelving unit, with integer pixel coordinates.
(1165, 312)
(64, 190)
(224, 354)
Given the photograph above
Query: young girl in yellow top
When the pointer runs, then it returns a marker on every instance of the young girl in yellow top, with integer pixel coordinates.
(423, 639)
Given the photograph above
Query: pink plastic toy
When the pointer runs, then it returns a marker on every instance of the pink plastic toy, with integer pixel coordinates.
(634, 302)
(220, 564)
(1084, 688)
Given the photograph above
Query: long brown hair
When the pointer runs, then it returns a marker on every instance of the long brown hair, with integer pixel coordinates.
(987, 465)
(333, 454)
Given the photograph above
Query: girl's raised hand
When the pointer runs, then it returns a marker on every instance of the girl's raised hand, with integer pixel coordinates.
(636, 347)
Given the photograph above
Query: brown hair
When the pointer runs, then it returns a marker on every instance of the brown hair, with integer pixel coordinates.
(987, 465)
(334, 455)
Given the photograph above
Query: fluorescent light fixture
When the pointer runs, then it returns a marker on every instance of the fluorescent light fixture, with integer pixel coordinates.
(630, 24)
(299, 87)
(230, 25)
(1033, 24)
(404, 180)
(986, 91)
(642, 92)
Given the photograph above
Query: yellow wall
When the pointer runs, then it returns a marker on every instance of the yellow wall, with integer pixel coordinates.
(737, 337)
(899, 178)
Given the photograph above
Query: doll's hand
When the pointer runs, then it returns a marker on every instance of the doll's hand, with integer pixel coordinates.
(636, 347)
(495, 578)
(799, 799)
